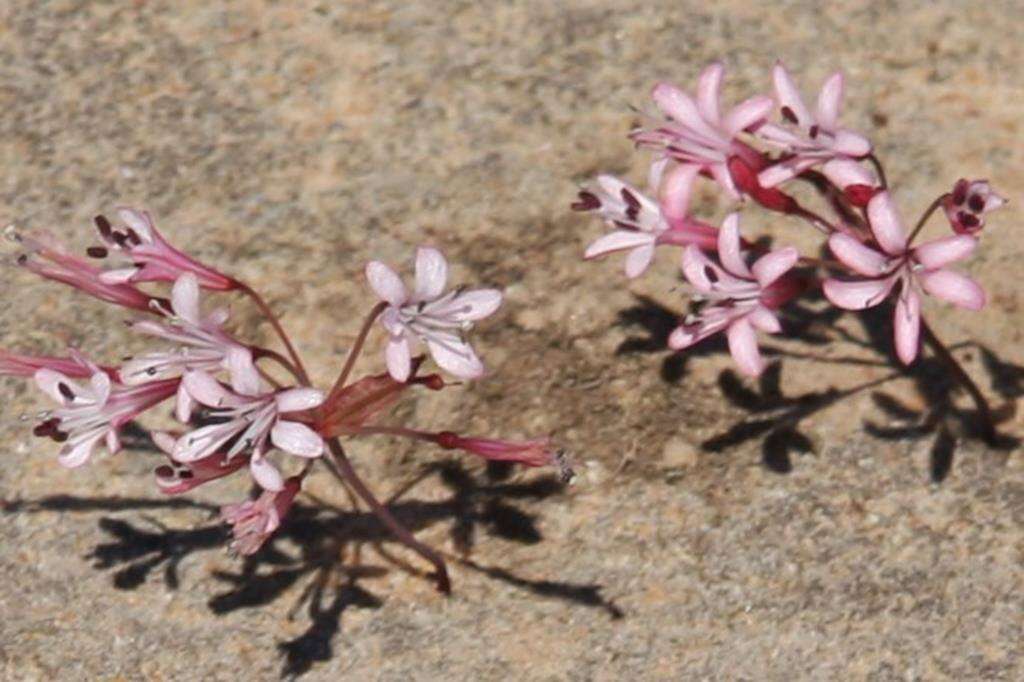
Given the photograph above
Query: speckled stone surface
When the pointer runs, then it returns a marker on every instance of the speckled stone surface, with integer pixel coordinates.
(290, 142)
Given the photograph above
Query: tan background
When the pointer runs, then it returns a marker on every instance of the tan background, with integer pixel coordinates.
(290, 142)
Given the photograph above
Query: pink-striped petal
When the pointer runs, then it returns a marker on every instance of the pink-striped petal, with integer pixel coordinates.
(617, 241)
(708, 88)
(886, 224)
(953, 287)
(775, 264)
(743, 346)
(748, 113)
(206, 390)
(385, 283)
(185, 297)
(857, 294)
(729, 247)
(942, 252)
(907, 325)
(789, 96)
(431, 274)
(454, 355)
(297, 439)
(298, 399)
(855, 255)
(638, 260)
(678, 106)
(476, 304)
(265, 474)
(677, 190)
(75, 454)
(830, 99)
(398, 357)
(764, 320)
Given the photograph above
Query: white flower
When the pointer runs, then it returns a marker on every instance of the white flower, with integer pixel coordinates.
(430, 315)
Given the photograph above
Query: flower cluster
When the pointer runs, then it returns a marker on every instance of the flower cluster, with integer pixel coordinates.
(235, 414)
(754, 153)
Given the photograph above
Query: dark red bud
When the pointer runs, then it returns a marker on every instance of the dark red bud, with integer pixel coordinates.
(447, 440)
(859, 195)
(771, 198)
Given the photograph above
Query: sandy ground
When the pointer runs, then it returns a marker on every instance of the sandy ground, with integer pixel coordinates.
(834, 521)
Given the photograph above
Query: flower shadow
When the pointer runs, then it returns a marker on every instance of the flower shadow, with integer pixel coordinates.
(331, 552)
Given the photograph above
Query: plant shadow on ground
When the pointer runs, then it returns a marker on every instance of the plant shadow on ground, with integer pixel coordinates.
(326, 549)
(775, 418)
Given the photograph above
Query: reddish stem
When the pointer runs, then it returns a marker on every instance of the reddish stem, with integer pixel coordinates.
(925, 216)
(400, 532)
(276, 324)
(357, 347)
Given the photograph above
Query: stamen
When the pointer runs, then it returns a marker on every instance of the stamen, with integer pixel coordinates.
(103, 225)
(814, 131)
(65, 391)
(96, 252)
(588, 201)
(976, 203)
(788, 114)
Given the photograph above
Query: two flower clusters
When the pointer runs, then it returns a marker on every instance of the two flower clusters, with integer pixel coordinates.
(738, 286)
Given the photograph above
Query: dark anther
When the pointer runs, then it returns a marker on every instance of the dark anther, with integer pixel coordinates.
(633, 212)
(814, 131)
(968, 220)
(960, 193)
(58, 436)
(22, 259)
(65, 391)
(119, 238)
(788, 114)
(630, 200)
(624, 226)
(588, 201)
(185, 474)
(133, 237)
(96, 252)
(710, 273)
(103, 225)
(46, 428)
(976, 203)
(164, 471)
(151, 371)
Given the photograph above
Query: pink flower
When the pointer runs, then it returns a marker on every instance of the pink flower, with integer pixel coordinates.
(173, 478)
(697, 134)
(858, 183)
(741, 299)
(94, 411)
(641, 224)
(967, 205)
(153, 259)
(201, 342)
(429, 315)
(254, 521)
(537, 452)
(49, 258)
(249, 420)
(812, 139)
(76, 366)
(893, 262)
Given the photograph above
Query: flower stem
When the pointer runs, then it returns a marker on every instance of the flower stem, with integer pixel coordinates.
(279, 359)
(878, 169)
(988, 429)
(357, 347)
(349, 474)
(925, 216)
(822, 225)
(276, 324)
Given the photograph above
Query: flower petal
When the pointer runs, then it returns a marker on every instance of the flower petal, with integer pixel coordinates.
(100, 384)
(907, 325)
(743, 346)
(431, 274)
(942, 252)
(617, 241)
(475, 304)
(708, 87)
(830, 99)
(183, 405)
(764, 320)
(747, 113)
(789, 96)
(851, 143)
(729, 247)
(245, 378)
(774, 264)
(953, 287)
(297, 439)
(185, 297)
(298, 399)
(398, 357)
(49, 382)
(265, 474)
(76, 453)
(846, 172)
(857, 294)
(676, 191)
(886, 224)
(677, 105)
(638, 259)
(454, 355)
(206, 390)
(855, 255)
(385, 283)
